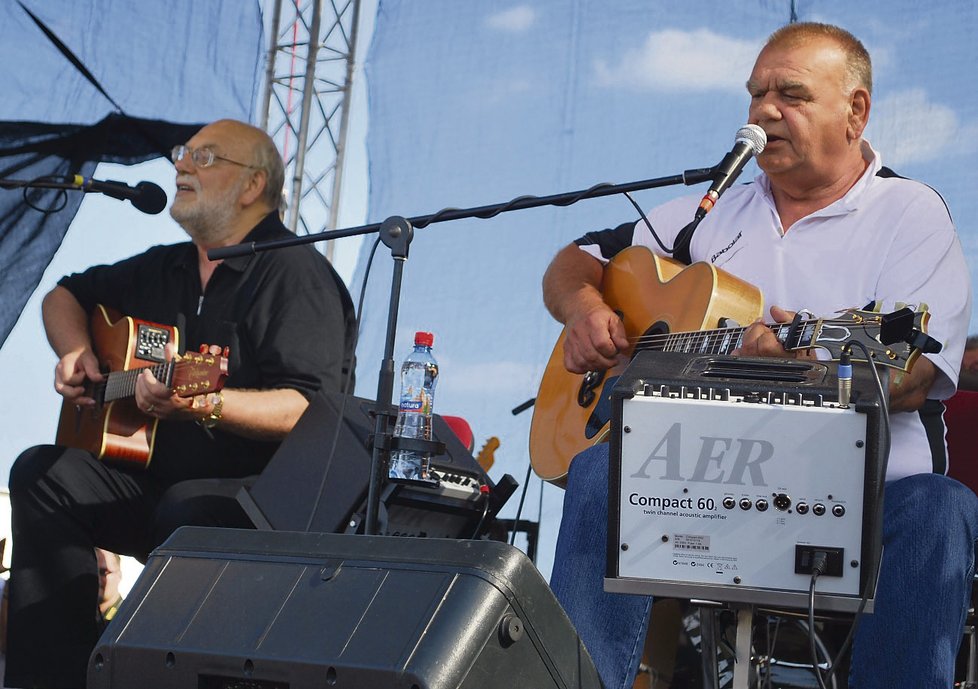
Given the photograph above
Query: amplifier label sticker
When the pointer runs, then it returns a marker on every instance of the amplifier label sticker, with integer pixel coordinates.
(690, 542)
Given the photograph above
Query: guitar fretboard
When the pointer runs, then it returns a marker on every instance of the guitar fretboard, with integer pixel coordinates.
(726, 340)
(122, 384)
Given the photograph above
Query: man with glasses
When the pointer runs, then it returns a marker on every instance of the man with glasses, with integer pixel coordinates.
(288, 323)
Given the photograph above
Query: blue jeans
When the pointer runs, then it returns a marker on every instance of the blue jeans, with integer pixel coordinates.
(930, 524)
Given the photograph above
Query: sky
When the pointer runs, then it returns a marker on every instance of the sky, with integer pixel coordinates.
(465, 104)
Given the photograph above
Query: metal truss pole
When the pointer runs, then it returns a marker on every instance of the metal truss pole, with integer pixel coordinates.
(306, 104)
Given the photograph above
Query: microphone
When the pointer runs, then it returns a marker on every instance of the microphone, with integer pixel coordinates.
(750, 141)
(145, 196)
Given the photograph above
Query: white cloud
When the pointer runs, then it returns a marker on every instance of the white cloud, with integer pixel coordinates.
(906, 127)
(673, 60)
(516, 19)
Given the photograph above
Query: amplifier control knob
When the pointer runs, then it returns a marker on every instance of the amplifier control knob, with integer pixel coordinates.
(782, 501)
(745, 503)
(838, 510)
(818, 509)
(802, 508)
(729, 502)
(761, 505)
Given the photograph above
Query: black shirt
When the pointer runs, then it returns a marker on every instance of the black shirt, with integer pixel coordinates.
(285, 315)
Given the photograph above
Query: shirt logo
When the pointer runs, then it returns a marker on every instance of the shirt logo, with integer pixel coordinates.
(728, 247)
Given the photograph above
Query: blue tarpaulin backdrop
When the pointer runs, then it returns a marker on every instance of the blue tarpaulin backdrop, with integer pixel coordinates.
(158, 70)
(477, 102)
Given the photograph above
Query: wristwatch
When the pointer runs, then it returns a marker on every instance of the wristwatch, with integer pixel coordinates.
(211, 419)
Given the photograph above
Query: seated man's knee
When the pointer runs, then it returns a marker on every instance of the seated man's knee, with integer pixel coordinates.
(31, 466)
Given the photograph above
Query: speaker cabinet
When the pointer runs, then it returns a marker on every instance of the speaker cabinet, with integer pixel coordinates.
(224, 608)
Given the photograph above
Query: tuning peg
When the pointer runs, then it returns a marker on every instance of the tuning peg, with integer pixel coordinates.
(227, 352)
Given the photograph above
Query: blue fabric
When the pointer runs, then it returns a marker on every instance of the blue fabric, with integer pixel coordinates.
(930, 524)
(165, 69)
(473, 103)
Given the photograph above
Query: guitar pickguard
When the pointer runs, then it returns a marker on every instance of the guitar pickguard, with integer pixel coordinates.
(601, 414)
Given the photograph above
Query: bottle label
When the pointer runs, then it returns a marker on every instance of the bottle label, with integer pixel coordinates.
(411, 405)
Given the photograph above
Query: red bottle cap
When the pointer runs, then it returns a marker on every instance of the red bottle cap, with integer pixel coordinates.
(422, 338)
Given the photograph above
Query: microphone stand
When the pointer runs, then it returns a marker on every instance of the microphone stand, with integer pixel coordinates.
(396, 233)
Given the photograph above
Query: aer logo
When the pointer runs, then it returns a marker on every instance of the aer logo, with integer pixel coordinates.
(720, 460)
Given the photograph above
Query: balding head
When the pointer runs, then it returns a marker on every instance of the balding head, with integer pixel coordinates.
(254, 147)
(859, 67)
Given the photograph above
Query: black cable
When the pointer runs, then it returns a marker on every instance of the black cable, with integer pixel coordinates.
(818, 566)
(485, 512)
(648, 224)
(61, 196)
(519, 508)
(881, 478)
(346, 387)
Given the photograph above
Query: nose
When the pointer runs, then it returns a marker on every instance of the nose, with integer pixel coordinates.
(764, 109)
(185, 165)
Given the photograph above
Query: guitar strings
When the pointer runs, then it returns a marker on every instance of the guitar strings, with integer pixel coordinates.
(724, 337)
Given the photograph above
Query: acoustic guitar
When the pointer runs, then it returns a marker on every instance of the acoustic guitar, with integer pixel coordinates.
(665, 305)
(115, 430)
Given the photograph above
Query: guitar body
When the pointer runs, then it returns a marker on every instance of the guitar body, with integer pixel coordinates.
(116, 431)
(653, 295)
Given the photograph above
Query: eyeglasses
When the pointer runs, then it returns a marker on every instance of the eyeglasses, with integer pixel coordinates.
(201, 157)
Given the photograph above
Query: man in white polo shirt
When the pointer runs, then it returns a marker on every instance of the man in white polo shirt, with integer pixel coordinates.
(825, 226)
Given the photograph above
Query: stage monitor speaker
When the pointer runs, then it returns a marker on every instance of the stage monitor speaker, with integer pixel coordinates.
(303, 489)
(226, 608)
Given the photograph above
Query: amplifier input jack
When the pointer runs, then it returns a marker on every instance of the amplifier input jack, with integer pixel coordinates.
(745, 503)
(761, 505)
(802, 508)
(782, 502)
(838, 510)
(729, 502)
(818, 509)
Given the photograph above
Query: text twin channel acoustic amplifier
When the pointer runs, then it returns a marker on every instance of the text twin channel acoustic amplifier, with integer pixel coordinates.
(729, 474)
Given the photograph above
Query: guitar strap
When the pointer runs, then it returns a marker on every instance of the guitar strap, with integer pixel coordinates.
(680, 249)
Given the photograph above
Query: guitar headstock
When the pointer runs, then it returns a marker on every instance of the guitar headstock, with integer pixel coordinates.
(199, 373)
(893, 339)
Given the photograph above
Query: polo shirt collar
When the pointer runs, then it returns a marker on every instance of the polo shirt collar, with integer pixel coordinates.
(264, 230)
(849, 202)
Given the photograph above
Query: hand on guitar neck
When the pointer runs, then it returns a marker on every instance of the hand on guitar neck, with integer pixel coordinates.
(759, 339)
(155, 399)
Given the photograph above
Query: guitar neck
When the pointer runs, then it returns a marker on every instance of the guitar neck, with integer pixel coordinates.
(122, 384)
(726, 340)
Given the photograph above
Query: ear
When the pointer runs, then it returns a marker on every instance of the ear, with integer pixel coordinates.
(859, 105)
(255, 188)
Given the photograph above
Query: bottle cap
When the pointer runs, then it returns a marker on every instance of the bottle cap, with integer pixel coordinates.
(423, 338)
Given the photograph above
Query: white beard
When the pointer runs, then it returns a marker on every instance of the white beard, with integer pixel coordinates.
(208, 220)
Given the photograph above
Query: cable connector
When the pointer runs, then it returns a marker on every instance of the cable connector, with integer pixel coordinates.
(819, 563)
(845, 377)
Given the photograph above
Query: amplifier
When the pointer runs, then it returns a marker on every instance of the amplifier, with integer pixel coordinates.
(318, 480)
(729, 474)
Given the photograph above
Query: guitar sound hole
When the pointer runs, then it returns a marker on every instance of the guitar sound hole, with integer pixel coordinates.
(654, 338)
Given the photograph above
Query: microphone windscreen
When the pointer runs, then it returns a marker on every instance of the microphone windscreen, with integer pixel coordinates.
(150, 199)
(754, 136)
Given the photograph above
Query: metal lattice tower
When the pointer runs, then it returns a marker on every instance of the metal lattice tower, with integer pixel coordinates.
(308, 82)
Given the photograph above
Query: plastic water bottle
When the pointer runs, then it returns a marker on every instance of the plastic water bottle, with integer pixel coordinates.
(419, 374)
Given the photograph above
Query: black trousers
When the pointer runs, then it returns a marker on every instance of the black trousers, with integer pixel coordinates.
(64, 503)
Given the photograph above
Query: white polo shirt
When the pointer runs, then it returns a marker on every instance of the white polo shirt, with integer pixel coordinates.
(889, 239)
